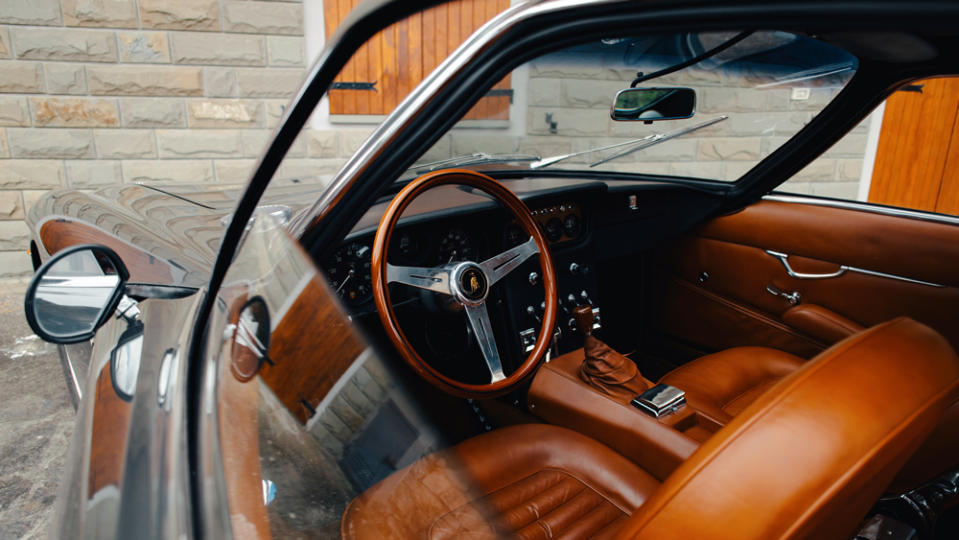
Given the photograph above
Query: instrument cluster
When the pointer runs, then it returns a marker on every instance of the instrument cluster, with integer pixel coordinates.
(349, 269)
(559, 222)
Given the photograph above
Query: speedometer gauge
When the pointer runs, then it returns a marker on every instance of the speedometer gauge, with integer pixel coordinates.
(455, 245)
(349, 273)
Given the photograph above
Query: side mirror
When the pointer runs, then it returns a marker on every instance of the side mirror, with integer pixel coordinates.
(74, 293)
(651, 104)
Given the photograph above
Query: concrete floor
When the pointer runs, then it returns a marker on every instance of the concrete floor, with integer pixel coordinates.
(36, 422)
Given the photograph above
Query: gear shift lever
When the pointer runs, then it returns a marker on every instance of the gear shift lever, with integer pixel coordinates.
(584, 319)
(603, 368)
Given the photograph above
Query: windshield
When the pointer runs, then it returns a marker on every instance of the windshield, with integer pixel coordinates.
(752, 93)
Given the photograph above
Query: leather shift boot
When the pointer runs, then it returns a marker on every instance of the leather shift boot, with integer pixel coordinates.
(610, 372)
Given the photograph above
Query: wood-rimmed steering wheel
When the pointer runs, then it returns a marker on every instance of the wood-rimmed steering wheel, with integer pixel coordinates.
(468, 282)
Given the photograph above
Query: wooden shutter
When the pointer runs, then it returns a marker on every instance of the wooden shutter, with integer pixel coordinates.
(398, 58)
(917, 161)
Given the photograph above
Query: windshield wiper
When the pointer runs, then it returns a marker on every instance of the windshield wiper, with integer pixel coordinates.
(660, 137)
(470, 159)
(634, 145)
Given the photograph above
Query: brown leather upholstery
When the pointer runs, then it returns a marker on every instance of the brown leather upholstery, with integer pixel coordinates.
(532, 481)
(809, 459)
(610, 372)
(805, 461)
(722, 384)
(559, 396)
(821, 323)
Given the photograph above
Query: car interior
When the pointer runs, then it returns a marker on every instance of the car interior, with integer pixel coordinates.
(500, 347)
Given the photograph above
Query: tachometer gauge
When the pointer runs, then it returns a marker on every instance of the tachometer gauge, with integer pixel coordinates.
(349, 273)
(455, 245)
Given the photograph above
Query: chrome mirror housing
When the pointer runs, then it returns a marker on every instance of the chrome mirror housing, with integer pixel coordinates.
(74, 293)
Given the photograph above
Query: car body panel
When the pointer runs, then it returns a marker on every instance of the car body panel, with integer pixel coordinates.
(132, 440)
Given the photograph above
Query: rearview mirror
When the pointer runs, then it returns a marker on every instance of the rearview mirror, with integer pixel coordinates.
(652, 104)
(74, 293)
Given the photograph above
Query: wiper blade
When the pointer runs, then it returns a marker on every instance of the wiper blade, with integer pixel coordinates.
(471, 159)
(659, 138)
(546, 162)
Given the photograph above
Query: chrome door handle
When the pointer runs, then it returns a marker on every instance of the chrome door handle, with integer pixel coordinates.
(794, 298)
(784, 258)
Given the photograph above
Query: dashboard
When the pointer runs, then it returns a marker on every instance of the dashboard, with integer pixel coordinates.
(349, 268)
(595, 229)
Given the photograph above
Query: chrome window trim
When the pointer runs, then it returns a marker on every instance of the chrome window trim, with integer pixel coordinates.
(865, 207)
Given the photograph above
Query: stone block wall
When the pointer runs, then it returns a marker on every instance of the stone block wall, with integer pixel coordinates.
(95, 92)
(568, 111)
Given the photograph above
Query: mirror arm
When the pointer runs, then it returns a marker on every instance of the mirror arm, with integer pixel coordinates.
(692, 61)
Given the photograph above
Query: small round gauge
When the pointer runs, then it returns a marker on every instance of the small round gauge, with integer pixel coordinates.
(408, 247)
(349, 273)
(515, 235)
(572, 226)
(554, 230)
(455, 245)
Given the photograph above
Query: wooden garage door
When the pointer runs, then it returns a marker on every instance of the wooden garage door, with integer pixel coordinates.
(917, 161)
(387, 67)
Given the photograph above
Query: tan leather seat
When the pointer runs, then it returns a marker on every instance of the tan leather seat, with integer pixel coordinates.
(533, 481)
(806, 461)
(723, 384)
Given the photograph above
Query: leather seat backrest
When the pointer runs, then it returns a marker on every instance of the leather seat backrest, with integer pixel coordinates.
(810, 457)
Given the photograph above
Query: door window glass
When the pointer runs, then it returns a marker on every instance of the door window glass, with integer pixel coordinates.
(904, 154)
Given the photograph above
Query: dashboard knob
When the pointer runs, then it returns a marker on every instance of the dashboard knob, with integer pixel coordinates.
(533, 278)
(574, 268)
(571, 300)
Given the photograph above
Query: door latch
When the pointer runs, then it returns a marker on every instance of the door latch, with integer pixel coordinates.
(793, 298)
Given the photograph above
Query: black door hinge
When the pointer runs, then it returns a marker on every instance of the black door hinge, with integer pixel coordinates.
(354, 86)
(500, 92)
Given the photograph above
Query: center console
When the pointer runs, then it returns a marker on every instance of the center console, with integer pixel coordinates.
(566, 227)
(600, 393)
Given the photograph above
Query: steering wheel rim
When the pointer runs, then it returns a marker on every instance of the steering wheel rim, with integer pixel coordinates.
(457, 282)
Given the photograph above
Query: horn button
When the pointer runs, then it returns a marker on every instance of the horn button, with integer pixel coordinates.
(470, 285)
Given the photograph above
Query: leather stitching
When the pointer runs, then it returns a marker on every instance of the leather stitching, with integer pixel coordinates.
(538, 518)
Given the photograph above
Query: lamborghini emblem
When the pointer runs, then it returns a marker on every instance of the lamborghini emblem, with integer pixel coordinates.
(472, 283)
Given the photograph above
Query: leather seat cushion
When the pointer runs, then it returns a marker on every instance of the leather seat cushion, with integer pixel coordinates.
(722, 384)
(528, 481)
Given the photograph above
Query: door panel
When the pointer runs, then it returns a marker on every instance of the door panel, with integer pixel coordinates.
(714, 282)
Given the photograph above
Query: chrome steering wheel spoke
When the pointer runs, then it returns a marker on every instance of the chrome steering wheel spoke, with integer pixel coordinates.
(479, 320)
(497, 267)
(436, 279)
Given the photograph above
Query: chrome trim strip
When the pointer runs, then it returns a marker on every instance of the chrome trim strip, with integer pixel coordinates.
(893, 276)
(865, 207)
(783, 258)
